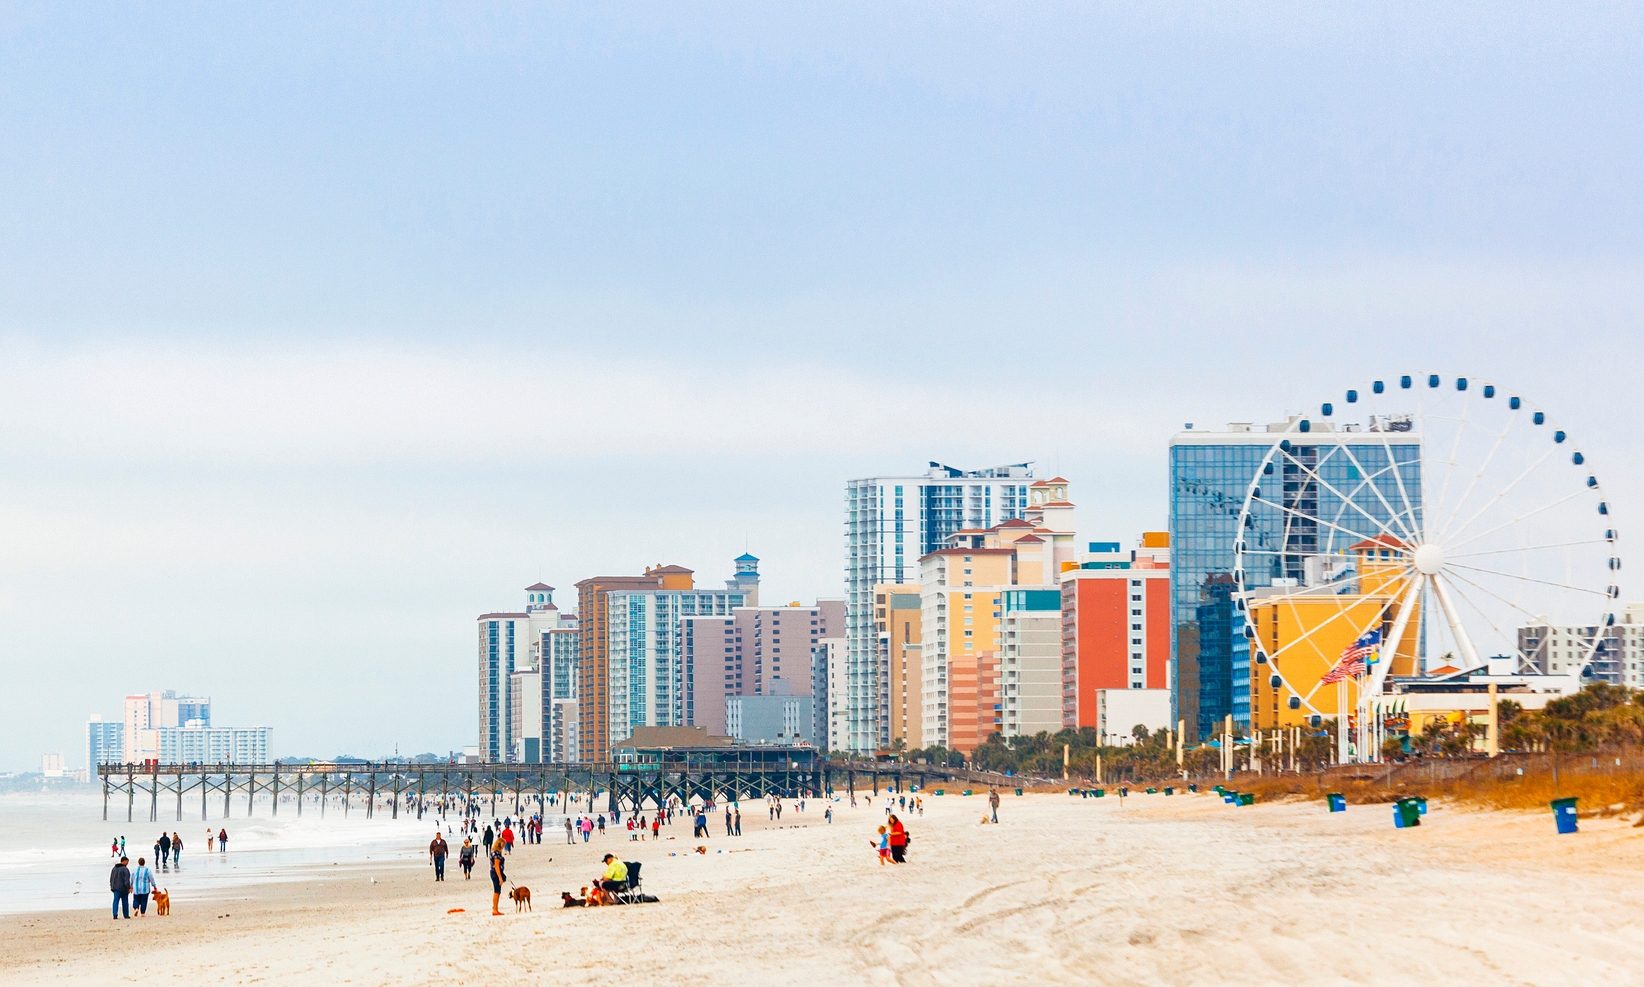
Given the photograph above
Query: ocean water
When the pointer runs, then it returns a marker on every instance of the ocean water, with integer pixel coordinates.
(54, 847)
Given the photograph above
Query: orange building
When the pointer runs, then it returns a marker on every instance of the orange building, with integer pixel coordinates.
(896, 611)
(1303, 631)
(1115, 624)
(593, 671)
(975, 701)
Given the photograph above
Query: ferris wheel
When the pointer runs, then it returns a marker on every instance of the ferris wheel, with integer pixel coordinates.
(1420, 523)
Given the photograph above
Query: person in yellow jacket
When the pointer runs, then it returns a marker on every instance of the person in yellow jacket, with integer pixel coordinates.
(616, 874)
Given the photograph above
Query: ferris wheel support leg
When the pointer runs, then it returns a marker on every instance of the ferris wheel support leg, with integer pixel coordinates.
(1390, 647)
(1464, 644)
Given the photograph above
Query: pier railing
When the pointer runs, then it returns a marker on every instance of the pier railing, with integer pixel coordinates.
(419, 787)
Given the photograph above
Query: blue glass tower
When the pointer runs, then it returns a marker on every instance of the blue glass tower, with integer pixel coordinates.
(1210, 474)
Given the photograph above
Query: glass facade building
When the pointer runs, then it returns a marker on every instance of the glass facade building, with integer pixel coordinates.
(1369, 478)
(890, 522)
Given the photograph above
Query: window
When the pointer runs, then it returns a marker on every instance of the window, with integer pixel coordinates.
(1135, 640)
(1135, 599)
(1135, 627)
(1135, 582)
(1135, 613)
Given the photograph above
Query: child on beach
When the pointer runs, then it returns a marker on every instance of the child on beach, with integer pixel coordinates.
(883, 846)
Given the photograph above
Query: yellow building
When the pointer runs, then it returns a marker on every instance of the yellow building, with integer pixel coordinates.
(1304, 631)
(896, 611)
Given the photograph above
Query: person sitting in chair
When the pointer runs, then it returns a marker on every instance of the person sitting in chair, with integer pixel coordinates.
(616, 874)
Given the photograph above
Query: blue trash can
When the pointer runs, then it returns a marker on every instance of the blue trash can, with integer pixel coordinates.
(1564, 813)
(1338, 802)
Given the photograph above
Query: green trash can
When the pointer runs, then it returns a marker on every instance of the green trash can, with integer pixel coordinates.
(1406, 814)
(1247, 798)
(1338, 802)
(1169, 790)
(1152, 791)
(1564, 814)
(1018, 791)
(1101, 792)
(940, 792)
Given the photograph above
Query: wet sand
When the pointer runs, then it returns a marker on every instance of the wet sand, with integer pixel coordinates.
(1179, 890)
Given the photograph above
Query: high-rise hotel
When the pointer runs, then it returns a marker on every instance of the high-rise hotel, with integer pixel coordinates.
(890, 523)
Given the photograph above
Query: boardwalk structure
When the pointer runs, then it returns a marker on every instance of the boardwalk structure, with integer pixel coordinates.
(651, 779)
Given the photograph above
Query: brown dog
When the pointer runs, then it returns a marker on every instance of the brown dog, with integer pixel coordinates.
(522, 898)
(162, 902)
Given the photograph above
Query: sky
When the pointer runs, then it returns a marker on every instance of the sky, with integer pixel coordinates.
(326, 327)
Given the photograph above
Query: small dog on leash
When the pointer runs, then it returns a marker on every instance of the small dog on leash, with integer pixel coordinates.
(522, 898)
(162, 901)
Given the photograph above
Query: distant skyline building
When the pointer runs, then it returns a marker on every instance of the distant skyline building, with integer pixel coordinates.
(631, 647)
(896, 614)
(749, 651)
(105, 742)
(146, 713)
(774, 718)
(527, 659)
(200, 744)
(1115, 624)
(1618, 658)
(1210, 474)
(890, 523)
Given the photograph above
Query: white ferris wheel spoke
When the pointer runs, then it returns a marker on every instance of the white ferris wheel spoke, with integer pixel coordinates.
(1528, 579)
(1375, 616)
(1455, 450)
(1316, 520)
(1369, 480)
(1339, 496)
(1341, 611)
(1407, 606)
(1398, 474)
(1535, 619)
(1519, 653)
(1526, 548)
(1478, 475)
(1497, 499)
(1521, 517)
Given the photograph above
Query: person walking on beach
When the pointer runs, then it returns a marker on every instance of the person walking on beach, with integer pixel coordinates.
(993, 802)
(497, 876)
(164, 856)
(587, 829)
(122, 846)
(114, 848)
(177, 850)
(119, 882)
(882, 846)
(728, 830)
(827, 815)
(465, 857)
(656, 826)
(739, 820)
(602, 824)
(568, 837)
(142, 885)
(898, 841)
(489, 838)
(508, 837)
(222, 841)
(436, 853)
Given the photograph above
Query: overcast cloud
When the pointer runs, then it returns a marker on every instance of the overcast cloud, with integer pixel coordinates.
(324, 329)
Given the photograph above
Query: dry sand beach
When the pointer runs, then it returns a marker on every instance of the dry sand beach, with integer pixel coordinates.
(1179, 890)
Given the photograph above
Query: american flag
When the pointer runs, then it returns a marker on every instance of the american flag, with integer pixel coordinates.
(1354, 657)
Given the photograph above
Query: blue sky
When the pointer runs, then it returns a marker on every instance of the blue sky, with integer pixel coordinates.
(325, 328)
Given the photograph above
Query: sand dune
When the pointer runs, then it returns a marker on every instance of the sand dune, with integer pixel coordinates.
(1181, 890)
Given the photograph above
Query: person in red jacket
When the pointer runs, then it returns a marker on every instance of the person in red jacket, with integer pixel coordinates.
(898, 841)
